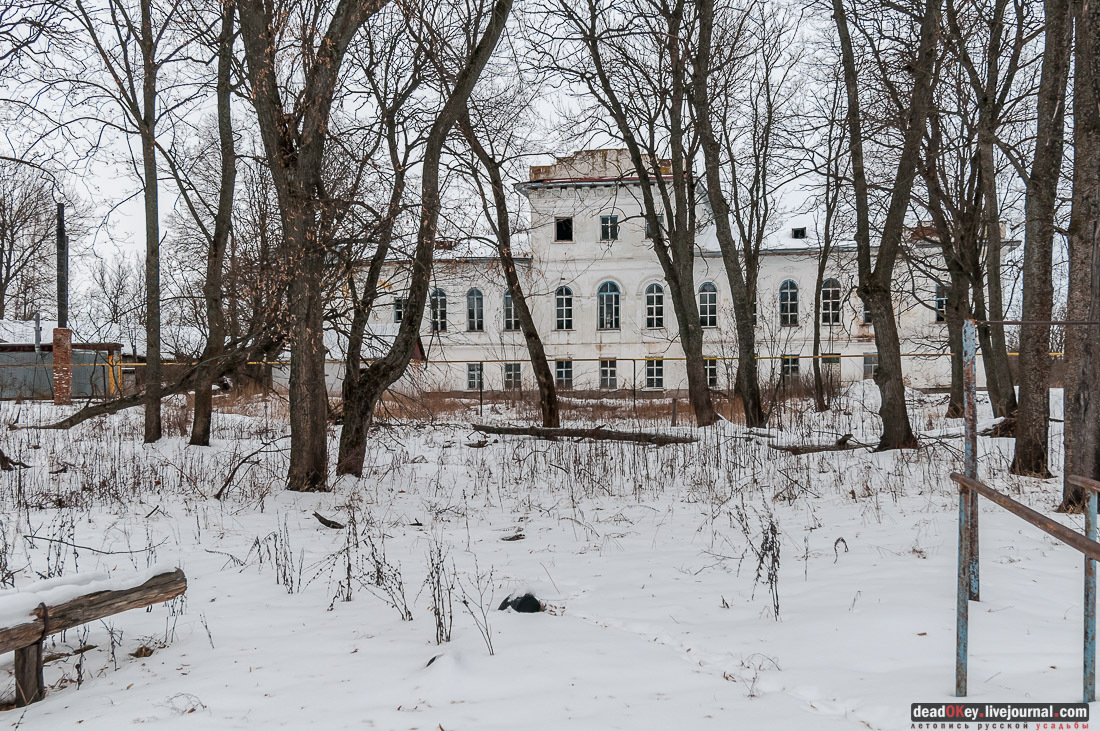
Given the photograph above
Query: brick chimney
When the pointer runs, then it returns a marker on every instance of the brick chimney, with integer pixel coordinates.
(62, 365)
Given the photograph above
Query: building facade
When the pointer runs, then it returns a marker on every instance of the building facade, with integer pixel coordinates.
(601, 305)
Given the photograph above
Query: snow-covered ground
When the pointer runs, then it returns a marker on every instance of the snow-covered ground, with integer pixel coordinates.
(661, 568)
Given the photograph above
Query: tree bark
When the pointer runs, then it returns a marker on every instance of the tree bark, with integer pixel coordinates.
(294, 143)
(147, 129)
(1033, 415)
(215, 261)
(747, 383)
(1082, 391)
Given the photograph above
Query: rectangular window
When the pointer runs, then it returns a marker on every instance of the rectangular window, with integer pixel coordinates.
(609, 228)
(473, 376)
(798, 233)
(870, 365)
(710, 367)
(654, 306)
(513, 376)
(941, 303)
(830, 359)
(608, 374)
(660, 222)
(788, 366)
(563, 374)
(866, 315)
(563, 229)
(399, 309)
(655, 373)
(511, 321)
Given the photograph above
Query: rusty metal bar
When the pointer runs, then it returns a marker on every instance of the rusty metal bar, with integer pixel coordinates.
(1070, 537)
(1088, 649)
(970, 446)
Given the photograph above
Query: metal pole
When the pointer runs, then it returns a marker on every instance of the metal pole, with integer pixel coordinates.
(634, 385)
(480, 389)
(970, 444)
(1089, 670)
(962, 613)
(62, 269)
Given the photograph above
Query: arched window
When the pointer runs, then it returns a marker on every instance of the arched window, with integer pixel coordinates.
(708, 305)
(607, 306)
(941, 303)
(475, 310)
(654, 306)
(788, 304)
(830, 302)
(438, 304)
(563, 304)
(511, 322)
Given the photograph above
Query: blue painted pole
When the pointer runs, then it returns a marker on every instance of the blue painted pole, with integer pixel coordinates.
(1089, 674)
(962, 614)
(970, 444)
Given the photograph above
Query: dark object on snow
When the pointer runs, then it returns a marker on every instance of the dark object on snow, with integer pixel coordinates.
(516, 537)
(527, 604)
(327, 522)
(8, 464)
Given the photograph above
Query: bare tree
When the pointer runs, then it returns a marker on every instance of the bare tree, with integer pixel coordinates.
(27, 225)
(876, 268)
(641, 80)
(293, 115)
(1082, 392)
(383, 372)
(1032, 423)
(495, 122)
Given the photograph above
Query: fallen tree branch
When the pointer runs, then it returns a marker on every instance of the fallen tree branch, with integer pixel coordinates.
(328, 522)
(597, 433)
(843, 444)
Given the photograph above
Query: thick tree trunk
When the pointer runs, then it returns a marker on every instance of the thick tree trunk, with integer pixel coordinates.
(1082, 392)
(215, 261)
(820, 404)
(153, 375)
(957, 310)
(1033, 415)
(875, 279)
(308, 385)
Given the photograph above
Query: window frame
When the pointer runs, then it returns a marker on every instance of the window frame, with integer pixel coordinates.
(609, 227)
(708, 310)
(789, 365)
(608, 307)
(512, 376)
(508, 309)
(437, 306)
(475, 376)
(399, 305)
(654, 306)
(660, 222)
(609, 373)
(563, 308)
(710, 369)
(558, 221)
(830, 303)
(655, 373)
(870, 365)
(563, 374)
(940, 302)
(475, 310)
(788, 303)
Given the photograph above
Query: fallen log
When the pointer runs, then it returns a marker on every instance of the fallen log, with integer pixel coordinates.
(843, 444)
(596, 433)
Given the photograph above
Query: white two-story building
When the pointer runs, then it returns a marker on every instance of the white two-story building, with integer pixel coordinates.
(599, 299)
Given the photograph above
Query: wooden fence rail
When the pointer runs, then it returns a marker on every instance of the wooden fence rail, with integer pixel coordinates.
(25, 639)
